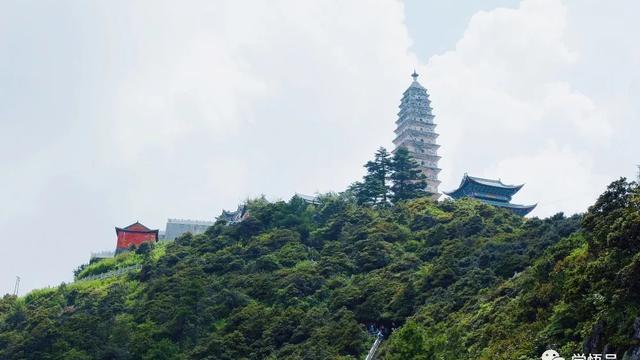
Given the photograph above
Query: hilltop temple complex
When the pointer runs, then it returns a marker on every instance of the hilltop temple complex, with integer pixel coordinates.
(416, 132)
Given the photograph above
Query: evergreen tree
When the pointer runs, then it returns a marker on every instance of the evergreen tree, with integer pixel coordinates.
(408, 343)
(374, 189)
(408, 181)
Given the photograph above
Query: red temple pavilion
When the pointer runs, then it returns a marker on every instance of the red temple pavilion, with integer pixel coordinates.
(134, 234)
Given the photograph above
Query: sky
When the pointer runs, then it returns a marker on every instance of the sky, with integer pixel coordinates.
(123, 111)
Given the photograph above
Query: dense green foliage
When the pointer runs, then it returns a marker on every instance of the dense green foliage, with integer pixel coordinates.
(460, 280)
(374, 188)
(581, 295)
(390, 179)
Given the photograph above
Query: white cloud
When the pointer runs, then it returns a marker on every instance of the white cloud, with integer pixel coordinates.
(566, 179)
(180, 110)
(561, 104)
(502, 96)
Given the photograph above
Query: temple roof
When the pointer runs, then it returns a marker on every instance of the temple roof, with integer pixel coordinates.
(489, 191)
(416, 84)
(491, 182)
(517, 208)
(136, 227)
(510, 205)
(484, 188)
(233, 217)
(308, 198)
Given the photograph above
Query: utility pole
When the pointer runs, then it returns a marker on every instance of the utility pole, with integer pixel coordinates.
(17, 287)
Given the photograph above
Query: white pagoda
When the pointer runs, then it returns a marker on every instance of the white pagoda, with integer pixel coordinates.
(416, 132)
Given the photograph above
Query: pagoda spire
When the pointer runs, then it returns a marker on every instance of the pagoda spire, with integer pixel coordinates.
(415, 75)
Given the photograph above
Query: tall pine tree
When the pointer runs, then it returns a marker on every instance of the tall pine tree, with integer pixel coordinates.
(408, 181)
(374, 189)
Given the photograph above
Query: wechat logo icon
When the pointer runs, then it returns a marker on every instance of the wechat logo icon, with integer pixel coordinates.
(551, 355)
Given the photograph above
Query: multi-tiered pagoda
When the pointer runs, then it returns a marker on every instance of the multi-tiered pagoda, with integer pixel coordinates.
(416, 132)
(492, 192)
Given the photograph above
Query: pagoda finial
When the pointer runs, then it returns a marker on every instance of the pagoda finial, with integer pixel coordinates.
(415, 75)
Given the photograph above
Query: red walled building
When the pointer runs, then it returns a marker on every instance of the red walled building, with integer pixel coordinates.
(134, 234)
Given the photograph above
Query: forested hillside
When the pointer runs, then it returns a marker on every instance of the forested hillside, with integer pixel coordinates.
(581, 295)
(457, 280)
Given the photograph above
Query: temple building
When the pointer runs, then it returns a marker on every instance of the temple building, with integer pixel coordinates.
(134, 234)
(492, 192)
(416, 132)
(234, 217)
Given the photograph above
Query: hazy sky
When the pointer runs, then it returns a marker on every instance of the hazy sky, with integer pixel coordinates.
(117, 111)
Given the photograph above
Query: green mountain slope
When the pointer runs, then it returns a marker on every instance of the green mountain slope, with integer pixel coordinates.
(580, 296)
(459, 280)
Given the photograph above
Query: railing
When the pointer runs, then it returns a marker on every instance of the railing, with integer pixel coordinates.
(102, 254)
(190, 222)
(374, 348)
(112, 273)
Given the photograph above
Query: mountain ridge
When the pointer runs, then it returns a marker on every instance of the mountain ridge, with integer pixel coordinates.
(454, 279)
